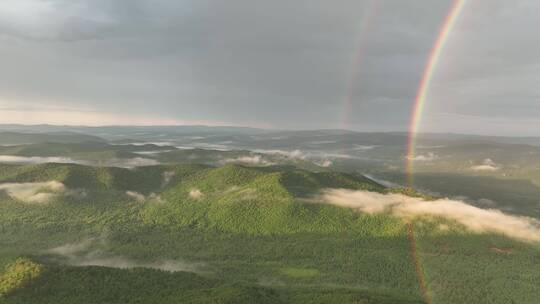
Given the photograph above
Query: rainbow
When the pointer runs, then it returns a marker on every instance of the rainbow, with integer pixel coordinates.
(368, 17)
(423, 90)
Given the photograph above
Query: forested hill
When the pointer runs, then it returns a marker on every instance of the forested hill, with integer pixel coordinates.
(235, 234)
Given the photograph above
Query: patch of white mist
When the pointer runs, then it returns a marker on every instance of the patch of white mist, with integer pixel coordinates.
(136, 196)
(424, 157)
(167, 177)
(35, 159)
(87, 253)
(195, 194)
(473, 218)
(251, 160)
(37, 193)
(113, 162)
(487, 165)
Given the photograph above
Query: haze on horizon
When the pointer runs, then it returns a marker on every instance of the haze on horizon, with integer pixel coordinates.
(272, 64)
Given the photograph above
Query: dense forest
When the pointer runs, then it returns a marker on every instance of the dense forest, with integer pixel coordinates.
(234, 234)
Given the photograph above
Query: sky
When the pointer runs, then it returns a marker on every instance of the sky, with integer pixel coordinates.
(299, 64)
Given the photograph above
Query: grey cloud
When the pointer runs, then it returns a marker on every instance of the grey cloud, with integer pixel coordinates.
(238, 61)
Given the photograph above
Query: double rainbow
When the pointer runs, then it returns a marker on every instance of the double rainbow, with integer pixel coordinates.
(425, 83)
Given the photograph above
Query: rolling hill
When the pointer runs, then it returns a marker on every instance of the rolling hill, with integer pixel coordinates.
(236, 234)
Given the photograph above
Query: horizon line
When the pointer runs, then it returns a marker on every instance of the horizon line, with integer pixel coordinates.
(266, 129)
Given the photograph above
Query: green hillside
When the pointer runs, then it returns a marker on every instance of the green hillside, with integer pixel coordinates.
(107, 285)
(243, 234)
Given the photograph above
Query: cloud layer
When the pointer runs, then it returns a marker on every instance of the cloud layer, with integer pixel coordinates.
(473, 218)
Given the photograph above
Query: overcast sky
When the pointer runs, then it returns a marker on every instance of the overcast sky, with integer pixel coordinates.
(275, 64)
